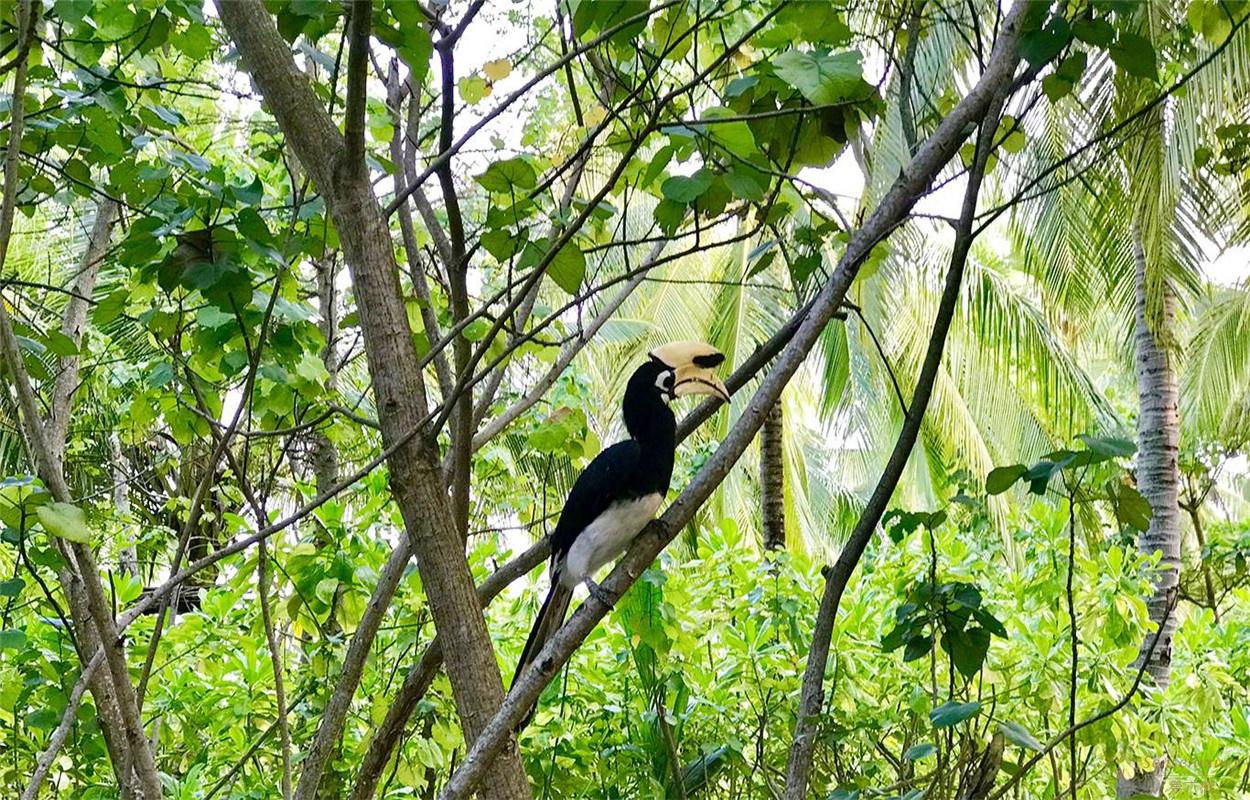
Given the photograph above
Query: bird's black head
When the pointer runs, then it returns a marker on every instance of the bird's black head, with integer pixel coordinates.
(674, 370)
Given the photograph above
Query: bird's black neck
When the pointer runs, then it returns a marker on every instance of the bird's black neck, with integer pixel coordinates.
(651, 423)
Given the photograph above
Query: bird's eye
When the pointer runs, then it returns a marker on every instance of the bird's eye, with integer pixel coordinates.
(664, 381)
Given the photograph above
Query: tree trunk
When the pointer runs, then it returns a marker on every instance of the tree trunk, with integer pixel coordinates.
(339, 172)
(1158, 480)
(773, 481)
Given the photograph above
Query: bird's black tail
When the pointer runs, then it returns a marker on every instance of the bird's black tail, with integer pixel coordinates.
(550, 618)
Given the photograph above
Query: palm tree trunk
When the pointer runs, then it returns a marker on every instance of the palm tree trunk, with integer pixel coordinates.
(772, 481)
(1158, 480)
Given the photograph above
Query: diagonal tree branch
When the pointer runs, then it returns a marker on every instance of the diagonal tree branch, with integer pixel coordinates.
(567, 354)
(897, 202)
(798, 767)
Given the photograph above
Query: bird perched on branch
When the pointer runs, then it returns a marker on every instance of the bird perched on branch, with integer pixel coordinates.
(619, 492)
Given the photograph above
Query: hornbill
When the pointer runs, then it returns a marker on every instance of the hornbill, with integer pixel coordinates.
(621, 489)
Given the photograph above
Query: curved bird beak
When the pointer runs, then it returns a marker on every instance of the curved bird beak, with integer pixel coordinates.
(694, 364)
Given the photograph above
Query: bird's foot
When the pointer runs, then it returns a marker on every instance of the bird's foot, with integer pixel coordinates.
(600, 594)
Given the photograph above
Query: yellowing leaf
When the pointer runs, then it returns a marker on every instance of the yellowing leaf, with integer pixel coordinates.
(498, 69)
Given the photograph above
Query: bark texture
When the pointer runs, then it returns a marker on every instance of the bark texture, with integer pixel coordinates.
(1158, 480)
(399, 394)
(773, 481)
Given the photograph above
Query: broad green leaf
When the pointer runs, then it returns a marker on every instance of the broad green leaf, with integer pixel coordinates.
(952, 713)
(823, 78)
(1001, 479)
(1096, 32)
(919, 751)
(568, 268)
(917, 647)
(513, 175)
(967, 649)
(473, 88)
(66, 521)
(1016, 733)
(1110, 446)
(734, 135)
(687, 189)
(12, 639)
(1135, 55)
(1040, 46)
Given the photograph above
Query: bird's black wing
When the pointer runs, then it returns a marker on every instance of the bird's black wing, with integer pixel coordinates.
(606, 479)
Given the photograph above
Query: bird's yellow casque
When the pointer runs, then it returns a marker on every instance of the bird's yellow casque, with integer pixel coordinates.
(695, 365)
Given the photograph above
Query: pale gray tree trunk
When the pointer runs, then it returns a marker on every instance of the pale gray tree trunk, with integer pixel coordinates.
(1158, 480)
(773, 481)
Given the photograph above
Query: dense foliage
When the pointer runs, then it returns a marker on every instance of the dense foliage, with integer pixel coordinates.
(293, 291)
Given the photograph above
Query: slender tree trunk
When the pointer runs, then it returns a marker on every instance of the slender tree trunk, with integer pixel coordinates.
(336, 163)
(325, 464)
(1194, 509)
(773, 481)
(1158, 480)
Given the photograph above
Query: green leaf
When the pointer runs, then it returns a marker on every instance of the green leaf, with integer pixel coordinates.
(747, 183)
(12, 588)
(12, 639)
(919, 751)
(657, 164)
(823, 78)
(967, 649)
(1040, 46)
(325, 589)
(568, 268)
(687, 189)
(1001, 479)
(472, 89)
(734, 135)
(990, 623)
(66, 521)
(669, 215)
(503, 244)
(60, 344)
(1135, 55)
(1016, 733)
(1096, 32)
(802, 267)
(952, 713)
(1132, 509)
(1110, 446)
(917, 647)
(1063, 80)
(509, 176)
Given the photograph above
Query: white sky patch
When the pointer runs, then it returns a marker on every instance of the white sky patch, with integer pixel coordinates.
(1229, 268)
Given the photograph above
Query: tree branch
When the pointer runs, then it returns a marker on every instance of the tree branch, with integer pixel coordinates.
(395, 372)
(357, 84)
(567, 354)
(43, 764)
(91, 597)
(73, 320)
(894, 205)
(798, 766)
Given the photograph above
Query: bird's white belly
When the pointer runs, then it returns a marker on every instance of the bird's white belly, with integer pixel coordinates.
(607, 537)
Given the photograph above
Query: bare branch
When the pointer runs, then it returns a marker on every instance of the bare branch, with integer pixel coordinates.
(357, 83)
(798, 765)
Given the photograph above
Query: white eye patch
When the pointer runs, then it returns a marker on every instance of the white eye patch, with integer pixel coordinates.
(664, 382)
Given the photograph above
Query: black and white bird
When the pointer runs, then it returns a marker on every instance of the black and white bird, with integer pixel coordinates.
(619, 492)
